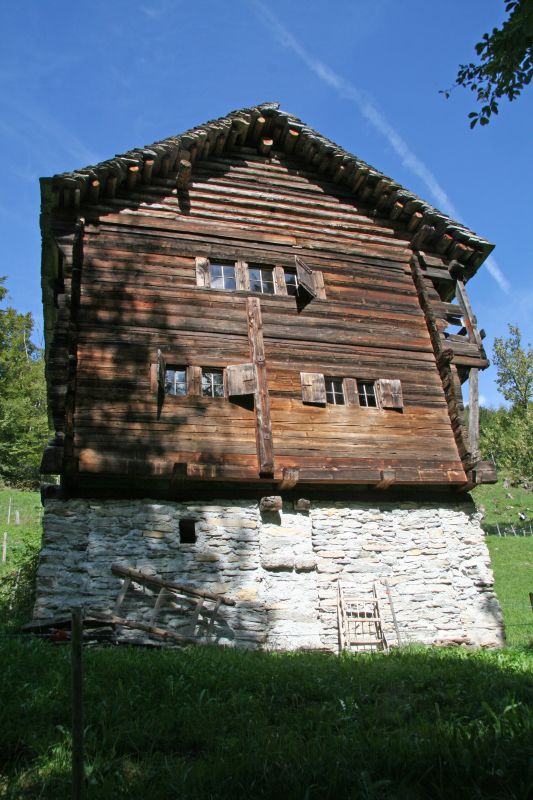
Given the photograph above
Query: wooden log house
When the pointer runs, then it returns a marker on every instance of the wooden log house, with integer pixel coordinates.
(247, 310)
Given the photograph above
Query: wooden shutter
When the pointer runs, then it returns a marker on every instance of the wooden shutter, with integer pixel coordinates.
(279, 280)
(319, 285)
(389, 393)
(194, 381)
(161, 371)
(313, 387)
(203, 277)
(305, 276)
(241, 379)
(242, 278)
(350, 392)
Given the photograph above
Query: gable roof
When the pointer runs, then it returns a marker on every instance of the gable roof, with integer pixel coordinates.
(265, 126)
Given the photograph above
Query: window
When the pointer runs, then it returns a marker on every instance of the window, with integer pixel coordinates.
(367, 394)
(261, 279)
(187, 531)
(291, 282)
(176, 381)
(335, 391)
(222, 276)
(212, 382)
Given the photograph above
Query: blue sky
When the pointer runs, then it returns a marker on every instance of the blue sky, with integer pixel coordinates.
(81, 82)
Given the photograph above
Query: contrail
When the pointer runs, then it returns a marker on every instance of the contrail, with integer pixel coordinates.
(368, 110)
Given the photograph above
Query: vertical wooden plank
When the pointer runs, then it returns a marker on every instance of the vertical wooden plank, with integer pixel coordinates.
(194, 381)
(473, 421)
(242, 276)
(263, 424)
(279, 280)
(202, 272)
(313, 387)
(350, 392)
(78, 772)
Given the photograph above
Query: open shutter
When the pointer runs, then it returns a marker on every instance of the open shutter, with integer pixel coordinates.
(242, 278)
(203, 277)
(305, 275)
(313, 387)
(194, 381)
(350, 392)
(389, 393)
(161, 371)
(279, 280)
(241, 379)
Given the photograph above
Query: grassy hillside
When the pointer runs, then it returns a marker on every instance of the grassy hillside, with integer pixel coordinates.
(23, 541)
(210, 723)
(511, 555)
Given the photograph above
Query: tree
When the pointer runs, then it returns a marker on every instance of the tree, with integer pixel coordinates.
(505, 62)
(23, 421)
(514, 367)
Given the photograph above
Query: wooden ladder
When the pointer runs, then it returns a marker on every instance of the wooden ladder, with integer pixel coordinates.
(359, 621)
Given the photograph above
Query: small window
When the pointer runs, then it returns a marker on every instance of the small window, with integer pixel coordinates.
(176, 381)
(262, 280)
(212, 382)
(187, 531)
(291, 282)
(335, 391)
(367, 394)
(222, 276)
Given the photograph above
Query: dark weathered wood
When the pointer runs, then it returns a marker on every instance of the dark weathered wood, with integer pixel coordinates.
(473, 413)
(290, 478)
(265, 449)
(387, 478)
(153, 580)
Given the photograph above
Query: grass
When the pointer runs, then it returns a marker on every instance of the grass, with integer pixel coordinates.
(511, 555)
(17, 574)
(211, 723)
(501, 506)
(512, 562)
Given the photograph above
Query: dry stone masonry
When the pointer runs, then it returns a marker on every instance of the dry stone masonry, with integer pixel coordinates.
(281, 567)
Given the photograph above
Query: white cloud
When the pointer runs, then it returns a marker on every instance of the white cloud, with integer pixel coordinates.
(377, 119)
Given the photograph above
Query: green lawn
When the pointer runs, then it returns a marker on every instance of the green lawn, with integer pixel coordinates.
(212, 723)
(417, 724)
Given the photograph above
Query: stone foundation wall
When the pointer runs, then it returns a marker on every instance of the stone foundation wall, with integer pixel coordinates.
(280, 568)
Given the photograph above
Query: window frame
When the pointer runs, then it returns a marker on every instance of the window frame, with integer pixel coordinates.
(363, 383)
(213, 371)
(335, 387)
(261, 268)
(184, 382)
(223, 265)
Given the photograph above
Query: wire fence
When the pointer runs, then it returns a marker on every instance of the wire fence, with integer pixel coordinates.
(524, 528)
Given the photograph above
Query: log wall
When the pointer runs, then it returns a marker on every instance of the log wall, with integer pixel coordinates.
(138, 295)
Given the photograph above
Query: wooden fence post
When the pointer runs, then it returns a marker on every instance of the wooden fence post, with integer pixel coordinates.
(78, 772)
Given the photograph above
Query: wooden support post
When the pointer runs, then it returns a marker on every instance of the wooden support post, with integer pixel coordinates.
(133, 173)
(94, 191)
(184, 173)
(78, 772)
(4, 548)
(388, 477)
(148, 167)
(290, 478)
(265, 145)
(263, 424)
(473, 422)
